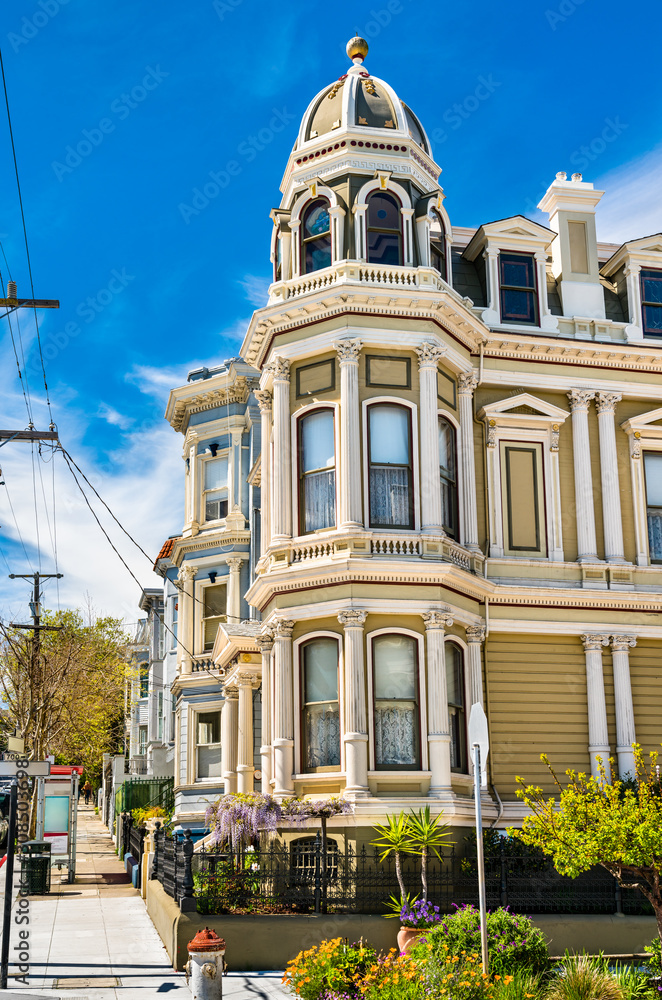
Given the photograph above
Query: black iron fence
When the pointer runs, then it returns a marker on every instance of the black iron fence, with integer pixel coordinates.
(299, 878)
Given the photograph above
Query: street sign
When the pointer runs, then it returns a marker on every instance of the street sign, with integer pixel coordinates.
(34, 768)
(478, 734)
(480, 745)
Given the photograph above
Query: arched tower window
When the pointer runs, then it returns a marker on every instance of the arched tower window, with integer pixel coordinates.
(396, 708)
(457, 712)
(438, 245)
(316, 237)
(448, 476)
(384, 229)
(317, 471)
(321, 707)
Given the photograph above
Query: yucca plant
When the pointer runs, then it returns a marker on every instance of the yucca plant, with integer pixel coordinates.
(583, 977)
(394, 840)
(426, 834)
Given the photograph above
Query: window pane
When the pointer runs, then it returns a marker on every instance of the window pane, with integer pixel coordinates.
(322, 732)
(384, 248)
(214, 601)
(454, 675)
(390, 497)
(651, 286)
(456, 706)
(216, 506)
(653, 468)
(320, 670)
(318, 254)
(655, 534)
(446, 448)
(395, 667)
(517, 271)
(389, 435)
(317, 443)
(653, 319)
(209, 762)
(209, 728)
(518, 306)
(317, 219)
(383, 212)
(319, 501)
(216, 473)
(396, 735)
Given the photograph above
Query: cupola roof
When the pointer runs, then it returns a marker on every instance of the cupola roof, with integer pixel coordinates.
(360, 100)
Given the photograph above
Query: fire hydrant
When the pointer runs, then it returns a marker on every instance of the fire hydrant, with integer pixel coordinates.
(205, 965)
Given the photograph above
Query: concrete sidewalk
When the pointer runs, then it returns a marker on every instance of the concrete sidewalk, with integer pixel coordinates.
(97, 935)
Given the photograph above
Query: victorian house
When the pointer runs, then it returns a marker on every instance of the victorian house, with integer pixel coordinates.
(433, 478)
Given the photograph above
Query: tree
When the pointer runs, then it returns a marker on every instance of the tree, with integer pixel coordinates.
(69, 700)
(595, 822)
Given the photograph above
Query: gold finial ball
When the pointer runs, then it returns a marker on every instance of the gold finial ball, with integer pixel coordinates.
(357, 48)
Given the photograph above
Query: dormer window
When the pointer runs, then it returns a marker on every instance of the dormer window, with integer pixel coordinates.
(316, 237)
(651, 303)
(438, 245)
(384, 230)
(215, 499)
(519, 296)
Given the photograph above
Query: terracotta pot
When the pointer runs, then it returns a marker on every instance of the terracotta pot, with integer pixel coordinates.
(409, 936)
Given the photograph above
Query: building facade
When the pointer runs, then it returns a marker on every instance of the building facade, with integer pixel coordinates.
(443, 486)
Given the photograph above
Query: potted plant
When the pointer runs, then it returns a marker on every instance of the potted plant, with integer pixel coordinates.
(415, 919)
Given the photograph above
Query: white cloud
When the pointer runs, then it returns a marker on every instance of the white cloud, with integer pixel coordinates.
(256, 289)
(631, 206)
(114, 417)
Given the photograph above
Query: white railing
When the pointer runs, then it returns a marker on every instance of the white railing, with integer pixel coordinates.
(457, 555)
(359, 272)
(389, 545)
(314, 550)
(362, 545)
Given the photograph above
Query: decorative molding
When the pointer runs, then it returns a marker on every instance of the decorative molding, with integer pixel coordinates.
(467, 383)
(635, 445)
(265, 642)
(554, 444)
(594, 641)
(352, 619)
(186, 574)
(264, 400)
(476, 633)
(283, 628)
(429, 355)
(348, 350)
(437, 619)
(605, 402)
(621, 643)
(236, 393)
(491, 434)
(580, 399)
(234, 562)
(279, 368)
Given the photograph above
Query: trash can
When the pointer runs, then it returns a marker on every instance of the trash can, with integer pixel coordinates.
(36, 867)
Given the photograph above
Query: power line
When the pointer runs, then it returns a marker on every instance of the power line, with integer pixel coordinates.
(23, 381)
(36, 514)
(18, 530)
(25, 234)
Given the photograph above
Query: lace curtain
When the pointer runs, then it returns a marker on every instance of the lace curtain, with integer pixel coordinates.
(319, 500)
(322, 730)
(655, 534)
(390, 496)
(395, 734)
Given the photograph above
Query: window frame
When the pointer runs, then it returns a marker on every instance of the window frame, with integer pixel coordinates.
(458, 535)
(536, 448)
(455, 641)
(298, 696)
(327, 768)
(214, 708)
(221, 453)
(534, 290)
(647, 506)
(646, 272)
(201, 585)
(304, 240)
(422, 703)
(294, 438)
(378, 229)
(301, 475)
(413, 453)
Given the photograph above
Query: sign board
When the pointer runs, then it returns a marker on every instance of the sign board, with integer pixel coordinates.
(478, 733)
(35, 768)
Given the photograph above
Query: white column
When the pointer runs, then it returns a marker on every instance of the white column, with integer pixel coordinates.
(185, 580)
(587, 549)
(428, 367)
(635, 328)
(407, 214)
(264, 401)
(360, 249)
(295, 246)
(355, 736)
(611, 497)
(282, 470)
(598, 733)
(234, 589)
(229, 735)
(625, 731)
(492, 315)
(245, 764)
(265, 644)
(351, 507)
(465, 387)
(283, 742)
(475, 639)
(337, 216)
(439, 737)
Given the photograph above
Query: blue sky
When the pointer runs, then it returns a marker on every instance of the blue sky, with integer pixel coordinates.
(160, 96)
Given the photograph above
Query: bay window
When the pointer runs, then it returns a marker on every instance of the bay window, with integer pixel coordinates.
(457, 713)
(651, 303)
(396, 702)
(653, 472)
(391, 481)
(208, 745)
(215, 496)
(317, 473)
(448, 477)
(321, 707)
(316, 237)
(519, 296)
(384, 230)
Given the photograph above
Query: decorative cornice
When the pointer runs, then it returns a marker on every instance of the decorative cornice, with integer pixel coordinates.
(429, 355)
(605, 402)
(605, 356)
(352, 619)
(580, 399)
(476, 633)
(348, 351)
(621, 643)
(437, 619)
(238, 392)
(594, 641)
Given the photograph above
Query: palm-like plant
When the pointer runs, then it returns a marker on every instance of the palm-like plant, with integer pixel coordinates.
(425, 834)
(582, 977)
(394, 838)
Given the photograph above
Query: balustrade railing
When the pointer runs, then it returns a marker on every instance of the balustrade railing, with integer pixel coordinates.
(353, 272)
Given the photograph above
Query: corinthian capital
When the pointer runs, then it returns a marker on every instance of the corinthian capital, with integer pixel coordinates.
(283, 628)
(466, 383)
(437, 620)
(348, 350)
(594, 641)
(475, 633)
(186, 574)
(279, 368)
(580, 399)
(429, 355)
(621, 643)
(605, 402)
(352, 619)
(264, 400)
(265, 642)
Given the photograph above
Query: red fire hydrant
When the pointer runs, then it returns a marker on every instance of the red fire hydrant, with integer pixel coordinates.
(205, 965)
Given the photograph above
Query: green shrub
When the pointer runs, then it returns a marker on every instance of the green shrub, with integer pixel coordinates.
(331, 968)
(140, 816)
(583, 977)
(654, 949)
(513, 941)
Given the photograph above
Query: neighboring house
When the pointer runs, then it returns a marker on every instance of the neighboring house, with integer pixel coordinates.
(457, 496)
(139, 652)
